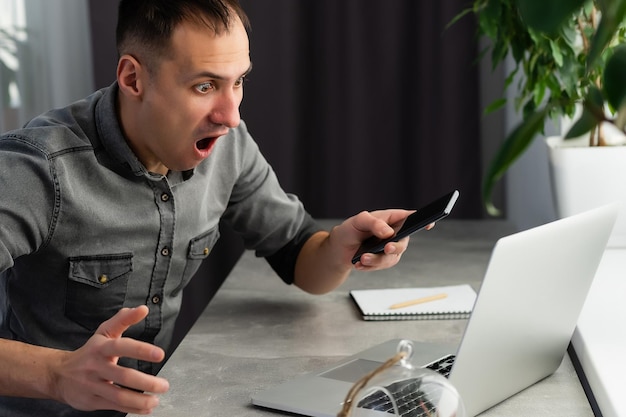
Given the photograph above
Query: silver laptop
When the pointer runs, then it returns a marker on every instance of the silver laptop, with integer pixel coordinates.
(525, 314)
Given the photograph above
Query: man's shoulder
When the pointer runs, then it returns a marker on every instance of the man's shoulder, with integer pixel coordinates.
(59, 130)
(49, 140)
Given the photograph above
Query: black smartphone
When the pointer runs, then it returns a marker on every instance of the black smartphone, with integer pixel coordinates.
(422, 217)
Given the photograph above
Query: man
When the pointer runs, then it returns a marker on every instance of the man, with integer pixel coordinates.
(114, 201)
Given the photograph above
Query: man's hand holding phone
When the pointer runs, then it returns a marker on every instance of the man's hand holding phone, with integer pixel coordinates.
(423, 218)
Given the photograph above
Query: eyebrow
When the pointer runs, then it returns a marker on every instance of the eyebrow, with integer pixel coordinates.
(209, 74)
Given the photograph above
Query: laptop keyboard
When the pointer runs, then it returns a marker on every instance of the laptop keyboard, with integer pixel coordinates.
(443, 365)
(411, 399)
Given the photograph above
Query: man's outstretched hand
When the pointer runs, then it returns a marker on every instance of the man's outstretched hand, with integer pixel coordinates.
(89, 378)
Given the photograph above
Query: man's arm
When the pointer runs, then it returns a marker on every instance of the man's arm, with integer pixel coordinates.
(88, 378)
(325, 260)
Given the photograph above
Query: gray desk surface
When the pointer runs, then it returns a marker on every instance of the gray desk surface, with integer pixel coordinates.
(257, 332)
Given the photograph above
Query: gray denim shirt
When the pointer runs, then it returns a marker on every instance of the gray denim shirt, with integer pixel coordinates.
(85, 230)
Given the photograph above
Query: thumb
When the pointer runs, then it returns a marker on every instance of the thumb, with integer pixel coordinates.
(114, 327)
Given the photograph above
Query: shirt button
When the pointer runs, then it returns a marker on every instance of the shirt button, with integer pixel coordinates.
(165, 197)
(156, 299)
(102, 279)
(205, 251)
(165, 251)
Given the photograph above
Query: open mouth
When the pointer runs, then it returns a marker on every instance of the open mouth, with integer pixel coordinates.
(203, 144)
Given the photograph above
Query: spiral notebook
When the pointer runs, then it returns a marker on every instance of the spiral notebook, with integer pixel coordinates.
(427, 303)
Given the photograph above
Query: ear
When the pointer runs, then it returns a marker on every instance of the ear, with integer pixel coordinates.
(130, 75)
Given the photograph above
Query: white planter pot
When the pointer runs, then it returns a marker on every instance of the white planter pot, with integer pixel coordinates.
(586, 177)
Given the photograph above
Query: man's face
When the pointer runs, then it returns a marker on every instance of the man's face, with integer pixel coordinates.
(192, 99)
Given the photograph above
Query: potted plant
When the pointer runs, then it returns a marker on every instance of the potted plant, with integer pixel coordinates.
(569, 63)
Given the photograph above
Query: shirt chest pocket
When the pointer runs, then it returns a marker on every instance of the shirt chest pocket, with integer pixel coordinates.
(199, 249)
(96, 287)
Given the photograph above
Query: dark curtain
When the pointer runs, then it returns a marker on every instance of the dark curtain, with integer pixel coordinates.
(364, 104)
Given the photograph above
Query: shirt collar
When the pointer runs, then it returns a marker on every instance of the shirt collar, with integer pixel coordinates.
(111, 135)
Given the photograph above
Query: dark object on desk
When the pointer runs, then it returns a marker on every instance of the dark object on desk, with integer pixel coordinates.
(422, 217)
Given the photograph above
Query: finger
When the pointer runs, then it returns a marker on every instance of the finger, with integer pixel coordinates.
(133, 379)
(396, 248)
(120, 322)
(131, 348)
(376, 262)
(124, 400)
(369, 224)
(389, 257)
(105, 395)
(392, 216)
(386, 219)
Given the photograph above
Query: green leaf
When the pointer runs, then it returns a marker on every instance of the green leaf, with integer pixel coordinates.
(613, 14)
(518, 50)
(492, 12)
(547, 16)
(509, 79)
(614, 82)
(539, 92)
(487, 18)
(458, 17)
(495, 105)
(498, 52)
(529, 109)
(512, 148)
(570, 35)
(583, 125)
(556, 53)
(595, 100)
(620, 119)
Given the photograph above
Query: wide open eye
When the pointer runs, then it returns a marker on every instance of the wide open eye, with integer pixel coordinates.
(204, 87)
(240, 82)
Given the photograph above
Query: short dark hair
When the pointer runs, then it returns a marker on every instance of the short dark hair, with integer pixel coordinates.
(147, 25)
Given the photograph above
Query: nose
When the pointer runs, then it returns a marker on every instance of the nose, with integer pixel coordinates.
(226, 109)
